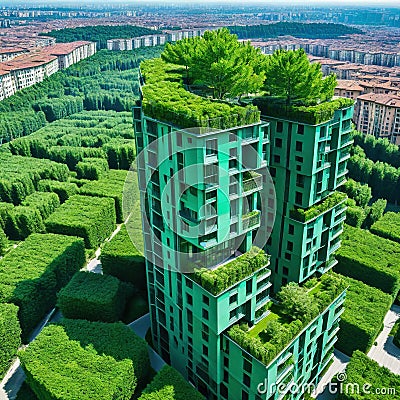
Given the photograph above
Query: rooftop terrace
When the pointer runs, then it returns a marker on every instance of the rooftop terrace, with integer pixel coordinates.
(165, 98)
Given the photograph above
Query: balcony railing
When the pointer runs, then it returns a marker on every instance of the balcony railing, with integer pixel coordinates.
(252, 181)
(251, 219)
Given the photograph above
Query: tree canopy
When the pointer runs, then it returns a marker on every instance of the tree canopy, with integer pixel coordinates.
(291, 76)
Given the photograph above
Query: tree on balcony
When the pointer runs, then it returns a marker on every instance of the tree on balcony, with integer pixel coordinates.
(291, 76)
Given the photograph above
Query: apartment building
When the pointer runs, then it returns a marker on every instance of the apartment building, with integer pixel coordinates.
(202, 286)
(379, 115)
(9, 54)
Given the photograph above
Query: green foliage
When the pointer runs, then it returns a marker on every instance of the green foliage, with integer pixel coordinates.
(28, 220)
(115, 340)
(375, 212)
(99, 33)
(388, 226)
(25, 393)
(378, 149)
(120, 258)
(355, 216)
(304, 215)
(64, 190)
(120, 153)
(10, 333)
(19, 176)
(295, 29)
(312, 115)
(383, 178)
(185, 109)
(220, 279)
(32, 274)
(357, 191)
(3, 242)
(364, 310)
(93, 297)
(91, 218)
(57, 367)
(91, 168)
(169, 384)
(44, 202)
(367, 373)
(291, 76)
(58, 108)
(108, 186)
(370, 258)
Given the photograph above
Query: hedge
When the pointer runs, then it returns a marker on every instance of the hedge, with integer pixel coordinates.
(364, 311)
(64, 190)
(10, 333)
(369, 258)
(58, 367)
(304, 215)
(94, 297)
(169, 384)
(91, 218)
(357, 191)
(7, 220)
(45, 202)
(71, 155)
(388, 226)
(220, 279)
(120, 153)
(107, 187)
(91, 168)
(120, 258)
(32, 274)
(57, 108)
(19, 176)
(367, 373)
(355, 216)
(3, 242)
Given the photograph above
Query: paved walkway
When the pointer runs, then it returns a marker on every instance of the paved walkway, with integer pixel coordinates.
(385, 353)
(140, 327)
(339, 364)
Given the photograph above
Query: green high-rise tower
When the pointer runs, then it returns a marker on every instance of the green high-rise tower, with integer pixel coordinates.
(208, 205)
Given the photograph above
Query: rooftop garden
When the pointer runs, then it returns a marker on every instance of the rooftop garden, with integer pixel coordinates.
(304, 215)
(221, 278)
(296, 308)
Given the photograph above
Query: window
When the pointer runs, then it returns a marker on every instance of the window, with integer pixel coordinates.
(249, 287)
(299, 146)
(288, 256)
(299, 198)
(206, 299)
(226, 362)
(223, 390)
(278, 142)
(299, 159)
(246, 380)
(247, 366)
(205, 313)
(211, 147)
(272, 171)
(245, 395)
(300, 129)
(290, 246)
(284, 281)
(277, 158)
(232, 314)
(285, 271)
(279, 126)
(189, 299)
(291, 229)
(205, 327)
(179, 138)
(233, 298)
(300, 180)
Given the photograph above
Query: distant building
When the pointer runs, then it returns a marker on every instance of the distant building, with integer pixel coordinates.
(379, 115)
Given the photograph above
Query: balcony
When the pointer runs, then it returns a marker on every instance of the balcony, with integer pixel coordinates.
(252, 181)
(251, 220)
(346, 139)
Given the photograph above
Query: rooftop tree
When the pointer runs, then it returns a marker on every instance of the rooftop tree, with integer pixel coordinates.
(290, 75)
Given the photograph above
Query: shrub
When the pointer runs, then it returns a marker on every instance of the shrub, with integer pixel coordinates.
(120, 153)
(32, 274)
(107, 187)
(357, 191)
(355, 216)
(91, 168)
(7, 220)
(10, 333)
(364, 310)
(388, 226)
(115, 340)
(45, 202)
(71, 155)
(28, 220)
(220, 279)
(375, 212)
(58, 108)
(369, 258)
(170, 384)
(57, 367)
(64, 190)
(364, 372)
(121, 259)
(91, 218)
(94, 297)
(3, 242)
